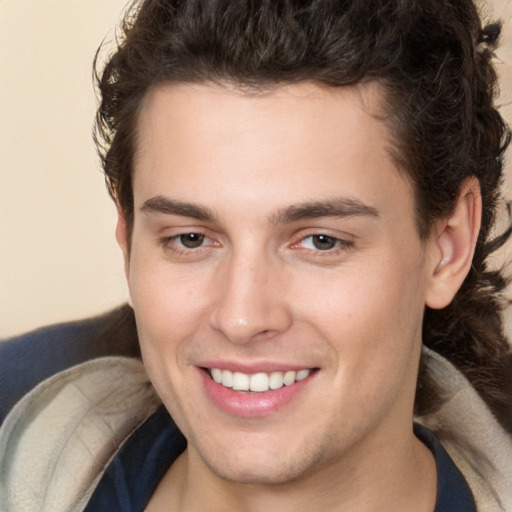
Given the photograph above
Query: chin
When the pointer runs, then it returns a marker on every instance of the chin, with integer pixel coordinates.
(255, 474)
(263, 467)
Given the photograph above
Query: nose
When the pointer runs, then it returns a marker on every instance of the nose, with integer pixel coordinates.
(250, 301)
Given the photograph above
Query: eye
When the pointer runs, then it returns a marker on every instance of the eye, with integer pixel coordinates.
(321, 242)
(188, 246)
(186, 242)
(190, 240)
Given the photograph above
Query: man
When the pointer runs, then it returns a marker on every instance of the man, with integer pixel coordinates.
(305, 193)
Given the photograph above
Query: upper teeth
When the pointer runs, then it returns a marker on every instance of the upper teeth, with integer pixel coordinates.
(257, 381)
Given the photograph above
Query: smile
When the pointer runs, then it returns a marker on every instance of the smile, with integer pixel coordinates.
(257, 382)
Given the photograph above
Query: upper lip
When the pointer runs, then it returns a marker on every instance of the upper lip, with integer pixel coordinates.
(254, 367)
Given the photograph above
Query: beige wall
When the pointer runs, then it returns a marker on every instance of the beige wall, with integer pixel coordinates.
(58, 258)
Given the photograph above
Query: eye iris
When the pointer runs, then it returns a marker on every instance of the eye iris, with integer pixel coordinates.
(191, 240)
(324, 242)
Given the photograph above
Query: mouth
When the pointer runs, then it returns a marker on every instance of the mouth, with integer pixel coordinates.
(260, 382)
(257, 393)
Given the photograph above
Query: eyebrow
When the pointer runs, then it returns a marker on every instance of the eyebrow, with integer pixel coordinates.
(340, 207)
(160, 204)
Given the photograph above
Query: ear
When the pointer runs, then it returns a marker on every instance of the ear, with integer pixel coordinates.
(453, 245)
(123, 242)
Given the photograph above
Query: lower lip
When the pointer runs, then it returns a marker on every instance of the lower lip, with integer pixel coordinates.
(249, 404)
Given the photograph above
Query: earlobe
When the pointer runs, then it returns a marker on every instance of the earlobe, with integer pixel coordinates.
(453, 246)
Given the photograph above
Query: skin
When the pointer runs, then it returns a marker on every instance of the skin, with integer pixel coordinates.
(257, 290)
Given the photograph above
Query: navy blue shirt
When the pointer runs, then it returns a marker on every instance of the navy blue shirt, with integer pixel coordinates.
(143, 460)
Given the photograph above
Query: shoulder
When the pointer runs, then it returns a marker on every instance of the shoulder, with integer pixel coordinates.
(58, 440)
(479, 446)
(28, 359)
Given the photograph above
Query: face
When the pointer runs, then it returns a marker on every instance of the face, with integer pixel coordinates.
(277, 276)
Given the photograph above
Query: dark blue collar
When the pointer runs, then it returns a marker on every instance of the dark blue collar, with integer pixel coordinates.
(132, 476)
(453, 493)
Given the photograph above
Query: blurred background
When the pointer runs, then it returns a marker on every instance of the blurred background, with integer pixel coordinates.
(58, 256)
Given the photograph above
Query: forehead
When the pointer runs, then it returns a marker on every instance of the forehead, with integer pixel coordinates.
(298, 142)
(214, 110)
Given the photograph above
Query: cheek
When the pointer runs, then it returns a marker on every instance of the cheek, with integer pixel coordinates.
(371, 313)
(167, 319)
(168, 308)
(160, 293)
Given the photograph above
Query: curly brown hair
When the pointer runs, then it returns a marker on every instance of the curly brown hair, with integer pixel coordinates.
(433, 60)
